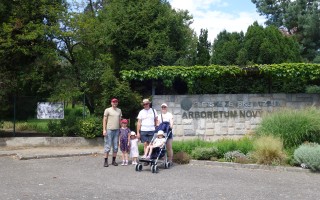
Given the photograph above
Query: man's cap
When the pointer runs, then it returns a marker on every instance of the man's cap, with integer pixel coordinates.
(114, 100)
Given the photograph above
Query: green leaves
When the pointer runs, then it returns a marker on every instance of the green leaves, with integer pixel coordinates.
(299, 18)
(298, 73)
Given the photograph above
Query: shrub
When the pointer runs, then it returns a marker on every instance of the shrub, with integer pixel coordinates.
(7, 125)
(1, 124)
(313, 89)
(141, 149)
(224, 146)
(244, 145)
(90, 127)
(269, 150)
(181, 158)
(293, 126)
(54, 128)
(189, 145)
(69, 126)
(231, 156)
(22, 126)
(204, 153)
(289, 156)
(308, 154)
(38, 125)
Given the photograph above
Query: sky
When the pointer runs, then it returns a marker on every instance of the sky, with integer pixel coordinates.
(219, 15)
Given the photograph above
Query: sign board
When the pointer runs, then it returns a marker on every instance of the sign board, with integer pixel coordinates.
(215, 116)
(48, 110)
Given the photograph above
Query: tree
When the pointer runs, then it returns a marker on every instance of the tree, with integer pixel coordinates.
(277, 48)
(253, 40)
(142, 34)
(84, 56)
(203, 49)
(226, 47)
(258, 46)
(26, 49)
(300, 18)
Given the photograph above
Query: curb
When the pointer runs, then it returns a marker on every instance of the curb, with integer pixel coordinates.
(192, 162)
(249, 166)
(22, 157)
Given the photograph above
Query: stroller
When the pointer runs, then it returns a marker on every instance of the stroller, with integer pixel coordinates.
(157, 153)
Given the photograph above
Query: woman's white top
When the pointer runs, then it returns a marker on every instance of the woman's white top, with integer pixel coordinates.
(168, 117)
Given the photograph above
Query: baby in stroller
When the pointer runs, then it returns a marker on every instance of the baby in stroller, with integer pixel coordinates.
(159, 142)
(157, 150)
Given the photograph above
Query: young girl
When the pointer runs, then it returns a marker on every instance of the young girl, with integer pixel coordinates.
(124, 142)
(134, 152)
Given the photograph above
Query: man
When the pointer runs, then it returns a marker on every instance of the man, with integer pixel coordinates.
(147, 120)
(111, 126)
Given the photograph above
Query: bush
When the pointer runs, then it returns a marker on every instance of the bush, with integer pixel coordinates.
(293, 126)
(181, 158)
(232, 156)
(69, 126)
(54, 128)
(244, 145)
(189, 145)
(22, 126)
(90, 127)
(224, 146)
(308, 154)
(141, 149)
(204, 153)
(313, 89)
(269, 150)
(7, 125)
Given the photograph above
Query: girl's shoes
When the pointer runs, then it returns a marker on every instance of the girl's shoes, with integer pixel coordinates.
(124, 162)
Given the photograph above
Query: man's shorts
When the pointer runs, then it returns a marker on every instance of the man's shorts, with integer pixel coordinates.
(146, 136)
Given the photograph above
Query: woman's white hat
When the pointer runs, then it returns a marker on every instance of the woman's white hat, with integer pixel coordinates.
(164, 104)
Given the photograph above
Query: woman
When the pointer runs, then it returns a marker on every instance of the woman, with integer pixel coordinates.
(166, 116)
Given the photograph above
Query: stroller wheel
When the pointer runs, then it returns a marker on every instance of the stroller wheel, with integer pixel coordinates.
(167, 165)
(138, 167)
(154, 169)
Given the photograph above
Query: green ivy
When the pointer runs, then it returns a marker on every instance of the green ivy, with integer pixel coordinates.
(286, 75)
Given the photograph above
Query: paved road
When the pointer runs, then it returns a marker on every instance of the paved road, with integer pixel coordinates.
(83, 177)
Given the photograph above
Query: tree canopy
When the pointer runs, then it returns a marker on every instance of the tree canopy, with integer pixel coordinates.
(258, 46)
(299, 17)
(143, 33)
(27, 52)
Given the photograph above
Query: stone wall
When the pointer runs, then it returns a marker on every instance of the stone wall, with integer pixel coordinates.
(226, 115)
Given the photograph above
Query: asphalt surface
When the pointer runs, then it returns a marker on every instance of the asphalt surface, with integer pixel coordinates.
(84, 177)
